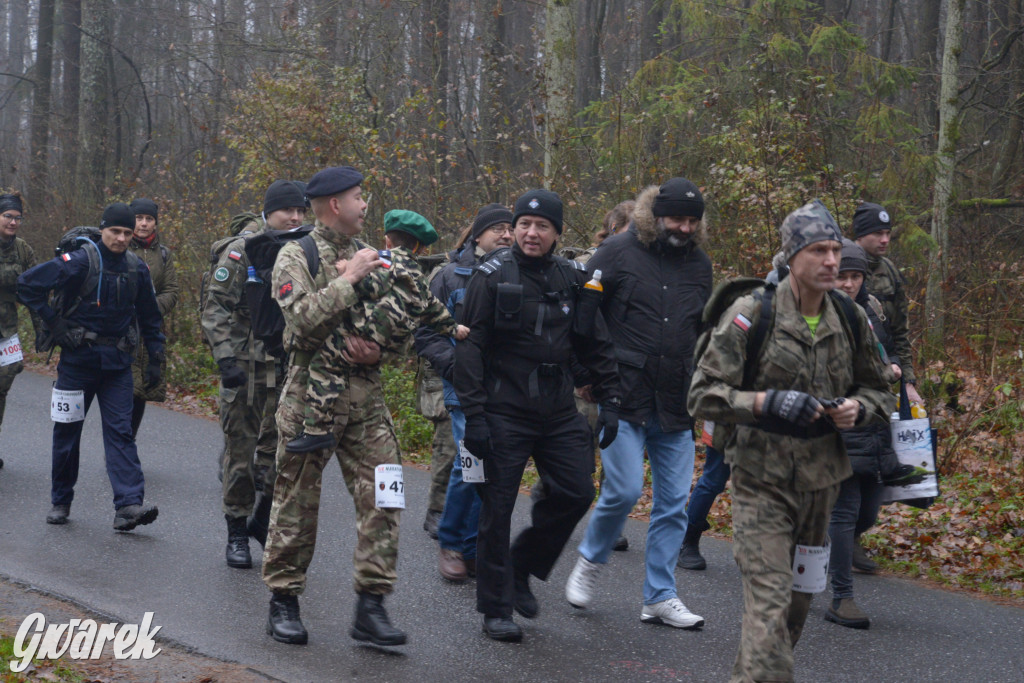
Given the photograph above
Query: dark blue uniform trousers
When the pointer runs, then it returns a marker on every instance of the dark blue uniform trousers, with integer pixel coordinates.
(113, 390)
(562, 447)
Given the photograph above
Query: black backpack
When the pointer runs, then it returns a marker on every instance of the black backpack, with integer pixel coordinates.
(262, 250)
(86, 237)
(508, 307)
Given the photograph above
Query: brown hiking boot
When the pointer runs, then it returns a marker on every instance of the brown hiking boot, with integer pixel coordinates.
(451, 565)
(846, 613)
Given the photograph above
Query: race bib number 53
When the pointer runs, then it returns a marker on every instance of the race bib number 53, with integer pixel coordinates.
(67, 405)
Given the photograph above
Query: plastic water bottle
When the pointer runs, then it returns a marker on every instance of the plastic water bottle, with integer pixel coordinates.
(253, 277)
(595, 282)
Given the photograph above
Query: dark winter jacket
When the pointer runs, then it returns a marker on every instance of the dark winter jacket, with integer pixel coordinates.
(653, 299)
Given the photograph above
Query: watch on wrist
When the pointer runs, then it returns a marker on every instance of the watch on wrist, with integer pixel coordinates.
(862, 412)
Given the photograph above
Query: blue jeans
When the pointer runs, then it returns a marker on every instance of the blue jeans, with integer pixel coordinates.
(671, 458)
(855, 511)
(711, 483)
(458, 526)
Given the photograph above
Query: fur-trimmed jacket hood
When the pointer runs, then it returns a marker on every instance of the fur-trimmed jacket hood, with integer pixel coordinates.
(646, 223)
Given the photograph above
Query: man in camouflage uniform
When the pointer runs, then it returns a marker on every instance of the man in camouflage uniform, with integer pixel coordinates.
(146, 245)
(393, 302)
(872, 229)
(313, 308)
(247, 371)
(16, 256)
(784, 446)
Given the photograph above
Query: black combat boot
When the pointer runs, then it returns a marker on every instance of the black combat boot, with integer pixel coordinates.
(307, 443)
(524, 601)
(258, 523)
(689, 554)
(237, 551)
(284, 624)
(372, 624)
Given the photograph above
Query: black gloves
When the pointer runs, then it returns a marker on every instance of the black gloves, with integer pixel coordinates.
(608, 422)
(154, 370)
(231, 376)
(62, 334)
(478, 436)
(794, 407)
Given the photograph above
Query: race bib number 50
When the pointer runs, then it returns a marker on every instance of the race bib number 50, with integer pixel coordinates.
(67, 406)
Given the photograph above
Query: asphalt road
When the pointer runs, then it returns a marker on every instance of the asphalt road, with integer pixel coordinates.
(176, 569)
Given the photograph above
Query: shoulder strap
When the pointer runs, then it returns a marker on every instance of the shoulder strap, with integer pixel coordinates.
(755, 340)
(848, 316)
(312, 253)
(509, 268)
(165, 253)
(94, 276)
(133, 274)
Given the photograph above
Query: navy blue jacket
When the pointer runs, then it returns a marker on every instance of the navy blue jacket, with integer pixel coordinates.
(112, 316)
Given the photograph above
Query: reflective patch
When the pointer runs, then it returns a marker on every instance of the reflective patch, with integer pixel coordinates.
(221, 274)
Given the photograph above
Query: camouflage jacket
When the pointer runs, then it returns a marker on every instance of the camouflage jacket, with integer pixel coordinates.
(824, 366)
(393, 302)
(160, 260)
(225, 318)
(16, 256)
(313, 308)
(886, 283)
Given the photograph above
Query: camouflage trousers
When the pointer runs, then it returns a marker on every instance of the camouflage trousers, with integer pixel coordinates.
(242, 423)
(768, 522)
(442, 459)
(366, 438)
(7, 374)
(329, 377)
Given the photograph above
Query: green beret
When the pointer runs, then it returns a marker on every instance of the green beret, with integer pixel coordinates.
(412, 223)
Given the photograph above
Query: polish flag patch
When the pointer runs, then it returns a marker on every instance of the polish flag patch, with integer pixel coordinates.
(741, 322)
(66, 257)
(235, 255)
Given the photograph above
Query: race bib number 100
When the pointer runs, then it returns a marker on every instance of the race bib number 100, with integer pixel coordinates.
(10, 351)
(389, 487)
(67, 406)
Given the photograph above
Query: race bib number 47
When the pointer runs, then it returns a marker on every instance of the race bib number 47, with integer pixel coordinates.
(389, 487)
(67, 406)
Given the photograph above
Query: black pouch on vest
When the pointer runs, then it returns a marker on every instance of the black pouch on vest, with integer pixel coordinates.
(508, 307)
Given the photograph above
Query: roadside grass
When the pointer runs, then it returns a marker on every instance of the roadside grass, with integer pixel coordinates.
(39, 670)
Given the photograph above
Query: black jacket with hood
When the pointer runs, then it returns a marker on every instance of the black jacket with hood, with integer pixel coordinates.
(654, 295)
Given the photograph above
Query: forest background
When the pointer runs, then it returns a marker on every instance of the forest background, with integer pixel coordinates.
(449, 104)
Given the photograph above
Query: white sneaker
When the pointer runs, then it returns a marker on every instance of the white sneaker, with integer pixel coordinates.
(579, 589)
(671, 612)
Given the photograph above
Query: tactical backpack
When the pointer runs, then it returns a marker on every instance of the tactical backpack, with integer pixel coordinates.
(508, 308)
(262, 250)
(237, 223)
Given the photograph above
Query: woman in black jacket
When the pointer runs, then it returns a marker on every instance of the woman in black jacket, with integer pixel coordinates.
(871, 456)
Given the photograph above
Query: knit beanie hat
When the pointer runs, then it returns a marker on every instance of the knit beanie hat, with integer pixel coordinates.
(543, 203)
(10, 202)
(809, 224)
(679, 197)
(146, 207)
(869, 218)
(118, 215)
(282, 194)
(853, 257)
(489, 215)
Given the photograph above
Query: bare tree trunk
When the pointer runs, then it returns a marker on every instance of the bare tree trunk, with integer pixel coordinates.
(38, 164)
(926, 58)
(559, 79)
(94, 119)
(945, 166)
(591, 24)
(650, 38)
(71, 46)
(1009, 159)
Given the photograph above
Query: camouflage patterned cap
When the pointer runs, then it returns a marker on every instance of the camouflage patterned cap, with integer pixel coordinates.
(809, 224)
(412, 223)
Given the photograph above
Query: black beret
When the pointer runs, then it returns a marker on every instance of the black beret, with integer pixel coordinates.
(118, 215)
(543, 203)
(331, 181)
(869, 218)
(146, 207)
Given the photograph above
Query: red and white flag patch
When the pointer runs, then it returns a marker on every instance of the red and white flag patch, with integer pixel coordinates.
(66, 257)
(234, 255)
(741, 322)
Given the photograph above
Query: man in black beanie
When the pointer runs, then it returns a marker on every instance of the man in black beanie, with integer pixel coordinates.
(96, 329)
(459, 509)
(656, 280)
(514, 381)
(249, 376)
(16, 256)
(872, 230)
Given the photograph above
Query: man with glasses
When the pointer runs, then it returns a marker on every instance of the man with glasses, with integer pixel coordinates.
(247, 372)
(457, 529)
(16, 256)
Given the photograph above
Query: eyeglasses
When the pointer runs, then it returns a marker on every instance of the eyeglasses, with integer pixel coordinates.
(11, 217)
(501, 229)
